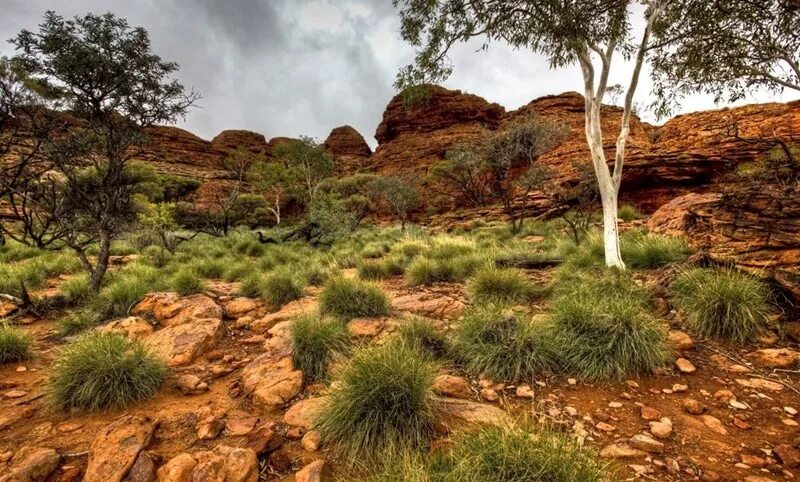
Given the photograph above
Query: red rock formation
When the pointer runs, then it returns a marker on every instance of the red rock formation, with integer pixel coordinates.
(233, 139)
(349, 149)
(756, 228)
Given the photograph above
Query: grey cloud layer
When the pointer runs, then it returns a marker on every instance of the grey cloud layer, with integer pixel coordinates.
(291, 67)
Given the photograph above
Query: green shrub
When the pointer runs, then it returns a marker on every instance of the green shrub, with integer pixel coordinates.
(14, 251)
(501, 344)
(75, 290)
(602, 328)
(78, 322)
(212, 268)
(316, 340)
(127, 288)
(628, 213)
(649, 251)
(722, 303)
(280, 287)
(512, 454)
(372, 269)
(15, 344)
(384, 402)
(316, 274)
(238, 271)
(420, 334)
(156, 257)
(425, 271)
(251, 285)
(103, 370)
(497, 285)
(374, 250)
(249, 247)
(409, 248)
(349, 298)
(187, 281)
(449, 248)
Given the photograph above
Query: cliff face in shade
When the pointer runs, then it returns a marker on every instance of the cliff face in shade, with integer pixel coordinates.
(755, 228)
(349, 149)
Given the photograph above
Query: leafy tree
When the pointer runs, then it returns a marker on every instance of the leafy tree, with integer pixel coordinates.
(726, 49)
(401, 197)
(359, 194)
(509, 157)
(115, 86)
(159, 221)
(310, 159)
(578, 201)
(277, 183)
(462, 176)
(587, 32)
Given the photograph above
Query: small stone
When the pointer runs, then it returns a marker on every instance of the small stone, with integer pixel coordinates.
(774, 357)
(22, 368)
(313, 472)
(714, 424)
(572, 381)
(760, 383)
(310, 441)
(753, 461)
(790, 456)
(240, 426)
(790, 410)
(15, 394)
(294, 433)
(724, 396)
(693, 406)
(740, 423)
(661, 429)
(680, 340)
(451, 386)
(614, 405)
(685, 366)
(621, 451)
(525, 391)
(649, 413)
(210, 422)
(793, 331)
(605, 427)
(631, 383)
(489, 395)
(679, 387)
(789, 422)
(649, 445)
(190, 384)
(737, 405)
(673, 467)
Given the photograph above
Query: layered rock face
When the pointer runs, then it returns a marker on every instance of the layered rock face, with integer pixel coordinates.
(349, 149)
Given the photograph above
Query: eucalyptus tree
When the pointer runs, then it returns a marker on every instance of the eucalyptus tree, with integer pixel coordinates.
(113, 86)
(589, 33)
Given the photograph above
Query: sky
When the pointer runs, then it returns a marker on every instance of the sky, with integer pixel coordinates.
(303, 67)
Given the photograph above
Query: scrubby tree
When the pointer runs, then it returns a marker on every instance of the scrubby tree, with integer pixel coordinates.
(586, 32)
(276, 182)
(726, 49)
(510, 155)
(115, 86)
(460, 176)
(401, 197)
(578, 201)
(310, 159)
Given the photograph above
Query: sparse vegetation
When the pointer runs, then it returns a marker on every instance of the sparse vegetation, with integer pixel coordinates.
(280, 287)
(187, 281)
(349, 298)
(722, 303)
(500, 285)
(316, 340)
(15, 344)
(420, 334)
(101, 370)
(384, 402)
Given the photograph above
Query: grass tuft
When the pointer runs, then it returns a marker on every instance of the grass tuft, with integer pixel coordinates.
(722, 303)
(420, 334)
(15, 344)
(500, 285)
(316, 340)
(349, 298)
(187, 281)
(280, 287)
(103, 370)
(384, 402)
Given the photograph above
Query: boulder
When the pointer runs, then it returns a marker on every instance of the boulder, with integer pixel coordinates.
(452, 386)
(170, 308)
(241, 306)
(223, 464)
(31, 464)
(115, 450)
(132, 327)
(305, 412)
(774, 357)
(312, 472)
(457, 412)
(182, 343)
(271, 381)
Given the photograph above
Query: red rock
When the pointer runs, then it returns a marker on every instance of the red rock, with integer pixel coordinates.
(31, 464)
(114, 451)
(349, 149)
(774, 357)
(313, 472)
(790, 456)
(649, 413)
(305, 412)
(452, 386)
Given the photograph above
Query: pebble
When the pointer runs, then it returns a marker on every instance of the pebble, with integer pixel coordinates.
(693, 406)
(311, 441)
(790, 410)
(789, 422)
(605, 427)
(685, 366)
(489, 395)
(714, 424)
(650, 413)
(661, 429)
(678, 388)
(724, 396)
(737, 404)
(615, 405)
(525, 391)
(22, 368)
(15, 393)
(649, 445)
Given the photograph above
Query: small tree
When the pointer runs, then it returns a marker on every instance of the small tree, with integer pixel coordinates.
(461, 176)
(509, 157)
(577, 201)
(277, 183)
(588, 33)
(115, 86)
(401, 197)
(310, 159)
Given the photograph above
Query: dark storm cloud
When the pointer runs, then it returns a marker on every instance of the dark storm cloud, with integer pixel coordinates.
(291, 67)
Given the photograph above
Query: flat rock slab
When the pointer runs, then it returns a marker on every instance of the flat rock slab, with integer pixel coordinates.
(224, 463)
(132, 327)
(429, 304)
(170, 308)
(272, 382)
(32, 464)
(181, 344)
(458, 412)
(115, 450)
(305, 412)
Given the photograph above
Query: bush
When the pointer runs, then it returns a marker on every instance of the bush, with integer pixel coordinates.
(503, 345)
(238, 271)
(722, 303)
(15, 344)
(374, 250)
(315, 342)
(127, 288)
(649, 251)
(103, 370)
(251, 286)
(372, 270)
(316, 274)
(75, 290)
(506, 286)
(279, 288)
(426, 271)
(213, 268)
(348, 298)
(511, 454)
(628, 213)
(384, 402)
(78, 322)
(602, 328)
(420, 335)
(187, 281)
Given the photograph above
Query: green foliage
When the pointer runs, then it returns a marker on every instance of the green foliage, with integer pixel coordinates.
(127, 287)
(316, 340)
(503, 345)
(401, 197)
(186, 281)
(78, 322)
(648, 251)
(500, 285)
(383, 402)
(15, 344)
(722, 303)
(102, 370)
(74, 290)
(350, 298)
(420, 335)
(251, 285)
(628, 213)
(392, 265)
(312, 163)
(426, 271)
(280, 287)
(211, 268)
(602, 327)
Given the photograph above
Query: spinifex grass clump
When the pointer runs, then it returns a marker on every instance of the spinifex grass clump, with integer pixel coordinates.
(187, 281)
(648, 251)
(722, 303)
(15, 344)
(420, 334)
(513, 454)
(103, 370)
(501, 344)
(500, 285)
(316, 340)
(426, 271)
(384, 402)
(280, 287)
(351, 298)
(602, 327)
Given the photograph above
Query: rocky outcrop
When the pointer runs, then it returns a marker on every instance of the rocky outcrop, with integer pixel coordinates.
(349, 149)
(233, 139)
(116, 449)
(757, 228)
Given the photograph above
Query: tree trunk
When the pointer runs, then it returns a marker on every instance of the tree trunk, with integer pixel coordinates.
(101, 266)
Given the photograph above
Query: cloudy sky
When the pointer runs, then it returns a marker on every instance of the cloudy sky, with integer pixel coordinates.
(291, 67)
